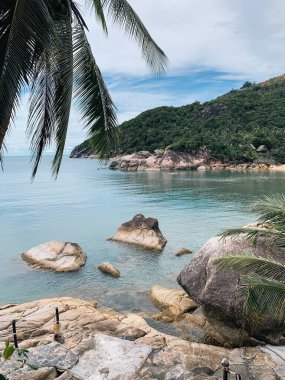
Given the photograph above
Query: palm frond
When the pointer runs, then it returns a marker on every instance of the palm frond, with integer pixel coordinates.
(264, 297)
(124, 15)
(41, 116)
(248, 263)
(271, 209)
(63, 85)
(27, 29)
(99, 12)
(98, 111)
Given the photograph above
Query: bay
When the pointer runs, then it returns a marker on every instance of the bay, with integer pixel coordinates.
(87, 203)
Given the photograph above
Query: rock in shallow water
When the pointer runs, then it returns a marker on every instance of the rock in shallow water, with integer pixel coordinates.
(109, 269)
(141, 231)
(56, 256)
(183, 251)
(172, 302)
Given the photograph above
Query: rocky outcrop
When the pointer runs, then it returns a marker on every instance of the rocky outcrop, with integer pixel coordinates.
(109, 269)
(218, 290)
(103, 343)
(162, 159)
(56, 256)
(183, 251)
(141, 231)
(172, 302)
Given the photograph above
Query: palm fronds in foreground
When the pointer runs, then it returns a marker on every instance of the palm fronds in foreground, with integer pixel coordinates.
(262, 279)
(44, 50)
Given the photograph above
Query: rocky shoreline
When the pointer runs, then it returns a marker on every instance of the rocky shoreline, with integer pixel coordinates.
(100, 343)
(160, 159)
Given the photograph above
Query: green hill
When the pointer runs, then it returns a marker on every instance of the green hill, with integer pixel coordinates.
(227, 126)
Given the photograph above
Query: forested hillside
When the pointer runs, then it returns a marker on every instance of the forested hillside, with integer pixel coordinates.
(229, 126)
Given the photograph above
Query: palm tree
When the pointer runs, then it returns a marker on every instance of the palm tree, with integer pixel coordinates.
(262, 280)
(44, 50)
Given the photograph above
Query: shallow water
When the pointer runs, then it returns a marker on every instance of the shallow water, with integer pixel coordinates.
(86, 205)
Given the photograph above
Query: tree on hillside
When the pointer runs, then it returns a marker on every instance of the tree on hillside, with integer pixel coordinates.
(44, 49)
(262, 280)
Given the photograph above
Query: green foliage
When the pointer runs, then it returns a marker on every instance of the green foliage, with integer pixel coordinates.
(227, 125)
(262, 280)
(44, 48)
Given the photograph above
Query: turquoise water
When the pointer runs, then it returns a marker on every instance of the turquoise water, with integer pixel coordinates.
(86, 205)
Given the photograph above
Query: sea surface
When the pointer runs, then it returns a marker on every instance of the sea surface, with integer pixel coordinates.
(87, 203)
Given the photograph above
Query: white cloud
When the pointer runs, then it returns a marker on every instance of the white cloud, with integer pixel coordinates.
(238, 39)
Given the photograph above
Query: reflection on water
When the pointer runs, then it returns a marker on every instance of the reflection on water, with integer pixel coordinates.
(86, 205)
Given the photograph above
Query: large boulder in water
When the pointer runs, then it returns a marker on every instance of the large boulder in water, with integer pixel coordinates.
(57, 256)
(218, 291)
(141, 231)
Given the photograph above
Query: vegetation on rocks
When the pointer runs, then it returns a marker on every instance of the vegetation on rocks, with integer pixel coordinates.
(262, 279)
(227, 126)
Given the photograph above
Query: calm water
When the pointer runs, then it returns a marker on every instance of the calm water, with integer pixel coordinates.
(86, 205)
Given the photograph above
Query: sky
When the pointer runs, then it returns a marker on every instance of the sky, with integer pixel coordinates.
(213, 46)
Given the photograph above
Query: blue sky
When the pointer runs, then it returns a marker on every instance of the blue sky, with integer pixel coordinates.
(213, 46)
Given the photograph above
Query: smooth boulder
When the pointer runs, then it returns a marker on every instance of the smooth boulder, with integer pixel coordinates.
(109, 269)
(172, 302)
(218, 291)
(141, 231)
(57, 256)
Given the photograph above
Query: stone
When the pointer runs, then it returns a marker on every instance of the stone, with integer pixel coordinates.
(56, 256)
(141, 231)
(217, 290)
(52, 355)
(159, 152)
(172, 302)
(111, 358)
(183, 251)
(202, 168)
(109, 269)
(26, 373)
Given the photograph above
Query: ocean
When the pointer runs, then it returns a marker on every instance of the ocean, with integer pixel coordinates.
(88, 202)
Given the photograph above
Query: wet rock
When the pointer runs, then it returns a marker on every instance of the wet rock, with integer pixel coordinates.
(183, 251)
(172, 302)
(56, 256)
(109, 269)
(143, 232)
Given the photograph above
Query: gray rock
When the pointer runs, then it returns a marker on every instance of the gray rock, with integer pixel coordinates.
(217, 290)
(26, 373)
(141, 231)
(53, 355)
(111, 358)
(109, 269)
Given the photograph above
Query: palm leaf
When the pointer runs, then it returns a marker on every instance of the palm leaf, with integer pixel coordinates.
(63, 83)
(98, 111)
(99, 12)
(123, 14)
(271, 209)
(247, 263)
(41, 116)
(264, 297)
(27, 29)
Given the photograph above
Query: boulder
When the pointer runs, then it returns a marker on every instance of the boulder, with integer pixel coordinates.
(183, 251)
(159, 152)
(202, 168)
(141, 231)
(218, 290)
(172, 302)
(56, 256)
(109, 269)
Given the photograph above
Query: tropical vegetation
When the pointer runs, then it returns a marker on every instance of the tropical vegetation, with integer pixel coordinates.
(227, 126)
(44, 50)
(262, 280)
